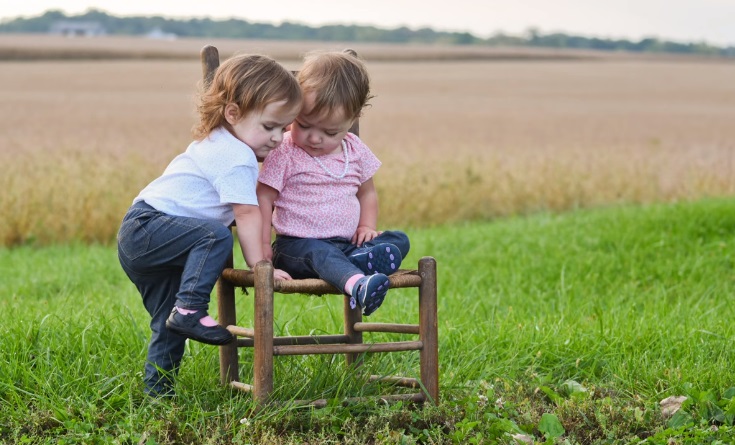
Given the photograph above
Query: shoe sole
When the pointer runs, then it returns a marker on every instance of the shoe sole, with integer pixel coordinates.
(382, 258)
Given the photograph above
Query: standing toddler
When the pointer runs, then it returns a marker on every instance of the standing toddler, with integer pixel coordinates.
(175, 238)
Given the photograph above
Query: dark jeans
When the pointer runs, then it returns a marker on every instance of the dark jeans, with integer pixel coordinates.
(172, 260)
(327, 258)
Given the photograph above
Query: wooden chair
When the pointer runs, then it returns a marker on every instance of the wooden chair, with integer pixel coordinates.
(266, 346)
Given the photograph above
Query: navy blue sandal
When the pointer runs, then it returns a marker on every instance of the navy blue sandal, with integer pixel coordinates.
(382, 258)
(369, 292)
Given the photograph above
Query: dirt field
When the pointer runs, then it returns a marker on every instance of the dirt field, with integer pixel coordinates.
(459, 138)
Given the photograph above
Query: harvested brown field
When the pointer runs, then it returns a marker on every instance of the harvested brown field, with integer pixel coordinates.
(460, 139)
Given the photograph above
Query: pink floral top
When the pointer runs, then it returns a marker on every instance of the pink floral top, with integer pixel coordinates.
(312, 203)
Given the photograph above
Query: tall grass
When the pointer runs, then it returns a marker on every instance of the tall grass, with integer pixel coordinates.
(73, 196)
(68, 196)
(487, 186)
(592, 317)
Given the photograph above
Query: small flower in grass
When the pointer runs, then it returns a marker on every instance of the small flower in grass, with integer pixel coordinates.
(481, 401)
(245, 421)
(500, 403)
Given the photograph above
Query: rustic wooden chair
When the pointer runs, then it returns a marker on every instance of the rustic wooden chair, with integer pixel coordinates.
(266, 346)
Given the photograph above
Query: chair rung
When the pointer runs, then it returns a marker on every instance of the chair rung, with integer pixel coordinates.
(398, 381)
(349, 348)
(301, 340)
(241, 332)
(386, 327)
(314, 286)
(244, 387)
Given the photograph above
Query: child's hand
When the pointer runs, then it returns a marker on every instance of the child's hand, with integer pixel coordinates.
(364, 234)
(279, 274)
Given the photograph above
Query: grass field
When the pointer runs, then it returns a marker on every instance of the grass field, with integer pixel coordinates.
(583, 321)
(460, 139)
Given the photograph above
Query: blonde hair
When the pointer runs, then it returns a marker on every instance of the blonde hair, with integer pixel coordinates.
(249, 81)
(339, 79)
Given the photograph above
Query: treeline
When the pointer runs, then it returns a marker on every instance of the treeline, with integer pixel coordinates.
(242, 29)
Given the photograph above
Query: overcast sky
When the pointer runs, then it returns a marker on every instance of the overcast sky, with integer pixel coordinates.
(712, 21)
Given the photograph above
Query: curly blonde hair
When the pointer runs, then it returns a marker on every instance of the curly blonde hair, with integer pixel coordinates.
(339, 79)
(249, 81)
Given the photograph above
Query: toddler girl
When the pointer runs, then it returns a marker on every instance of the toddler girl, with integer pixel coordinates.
(175, 238)
(319, 182)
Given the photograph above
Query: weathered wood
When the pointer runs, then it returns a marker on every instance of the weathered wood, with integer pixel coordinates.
(428, 328)
(240, 331)
(263, 347)
(397, 381)
(299, 340)
(355, 128)
(244, 387)
(210, 63)
(314, 286)
(352, 316)
(387, 327)
(341, 349)
(228, 362)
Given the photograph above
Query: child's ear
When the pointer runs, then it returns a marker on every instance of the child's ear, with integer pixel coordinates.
(232, 113)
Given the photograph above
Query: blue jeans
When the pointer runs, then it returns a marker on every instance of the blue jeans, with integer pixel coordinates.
(173, 261)
(327, 258)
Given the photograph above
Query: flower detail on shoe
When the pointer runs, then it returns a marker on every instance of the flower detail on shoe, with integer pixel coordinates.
(370, 291)
(189, 326)
(382, 258)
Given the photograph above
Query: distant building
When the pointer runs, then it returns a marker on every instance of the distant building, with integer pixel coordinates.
(70, 28)
(159, 34)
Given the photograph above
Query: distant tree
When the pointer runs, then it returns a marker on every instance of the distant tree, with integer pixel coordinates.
(242, 29)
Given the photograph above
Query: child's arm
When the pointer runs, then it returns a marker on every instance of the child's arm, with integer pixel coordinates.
(367, 227)
(266, 197)
(248, 220)
(249, 233)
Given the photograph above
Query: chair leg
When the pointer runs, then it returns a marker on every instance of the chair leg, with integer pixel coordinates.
(428, 329)
(263, 339)
(228, 360)
(352, 316)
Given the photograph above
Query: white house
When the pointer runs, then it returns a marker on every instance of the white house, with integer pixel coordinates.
(70, 28)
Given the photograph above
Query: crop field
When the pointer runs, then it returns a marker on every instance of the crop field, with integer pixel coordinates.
(459, 139)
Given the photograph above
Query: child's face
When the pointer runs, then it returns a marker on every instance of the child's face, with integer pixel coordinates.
(261, 131)
(319, 135)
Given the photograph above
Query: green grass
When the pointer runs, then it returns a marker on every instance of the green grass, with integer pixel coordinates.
(583, 321)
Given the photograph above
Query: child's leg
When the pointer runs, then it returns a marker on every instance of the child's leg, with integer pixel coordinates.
(153, 243)
(166, 348)
(383, 254)
(395, 237)
(158, 291)
(314, 258)
(211, 245)
(325, 259)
